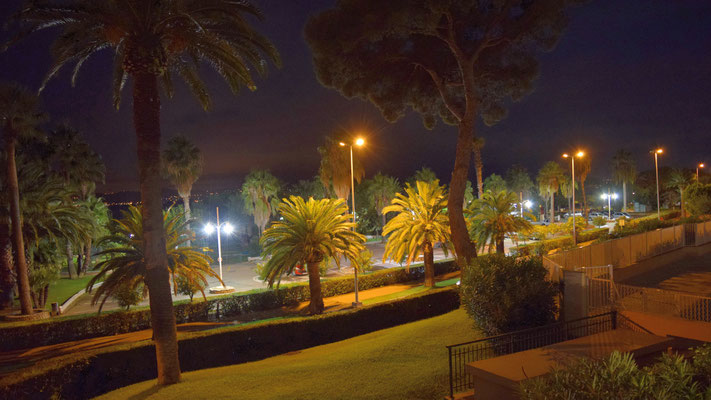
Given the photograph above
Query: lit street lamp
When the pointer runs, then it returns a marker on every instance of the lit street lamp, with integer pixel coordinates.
(609, 197)
(579, 154)
(697, 170)
(656, 153)
(226, 228)
(358, 142)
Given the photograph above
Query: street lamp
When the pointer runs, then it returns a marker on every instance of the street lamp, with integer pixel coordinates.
(358, 142)
(226, 228)
(697, 170)
(656, 153)
(609, 196)
(579, 154)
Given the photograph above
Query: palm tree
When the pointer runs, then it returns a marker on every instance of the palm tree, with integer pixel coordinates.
(260, 195)
(479, 143)
(153, 41)
(126, 262)
(549, 179)
(492, 217)
(518, 181)
(182, 166)
(566, 189)
(382, 190)
(310, 232)
(679, 180)
(624, 171)
(335, 168)
(19, 115)
(421, 221)
(424, 174)
(582, 170)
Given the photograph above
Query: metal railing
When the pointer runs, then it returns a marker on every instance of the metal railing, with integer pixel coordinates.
(663, 302)
(463, 353)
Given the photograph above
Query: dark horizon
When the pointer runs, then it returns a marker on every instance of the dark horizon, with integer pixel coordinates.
(632, 75)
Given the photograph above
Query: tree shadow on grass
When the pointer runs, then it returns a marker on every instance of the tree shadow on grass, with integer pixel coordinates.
(146, 393)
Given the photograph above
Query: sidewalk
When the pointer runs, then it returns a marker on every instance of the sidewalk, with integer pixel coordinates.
(15, 360)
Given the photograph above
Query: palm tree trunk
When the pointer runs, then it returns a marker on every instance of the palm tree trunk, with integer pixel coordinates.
(186, 207)
(146, 119)
(382, 226)
(316, 303)
(624, 196)
(681, 199)
(80, 262)
(500, 245)
(18, 245)
(460, 236)
(479, 166)
(552, 217)
(585, 201)
(429, 264)
(87, 255)
(70, 262)
(7, 276)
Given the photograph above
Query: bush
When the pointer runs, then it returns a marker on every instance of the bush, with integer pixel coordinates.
(504, 294)
(619, 377)
(40, 333)
(599, 220)
(188, 288)
(698, 199)
(563, 242)
(89, 374)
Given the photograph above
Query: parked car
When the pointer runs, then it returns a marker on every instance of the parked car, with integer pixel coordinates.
(618, 215)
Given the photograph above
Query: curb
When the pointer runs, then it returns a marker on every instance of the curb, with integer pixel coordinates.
(72, 299)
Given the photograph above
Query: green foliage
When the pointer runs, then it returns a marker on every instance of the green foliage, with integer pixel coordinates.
(125, 263)
(260, 192)
(599, 221)
(382, 190)
(365, 261)
(419, 223)
(518, 180)
(698, 199)
(307, 188)
(580, 224)
(335, 168)
(504, 294)
(495, 184)
(563, 242)
(424, 174)
(492, 217)
(618, 377)
(189, 288)
(128, 294)
(182, 164)
(624, 168)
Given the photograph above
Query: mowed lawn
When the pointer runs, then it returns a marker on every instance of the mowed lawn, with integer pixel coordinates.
(404, 362)
(62, 289)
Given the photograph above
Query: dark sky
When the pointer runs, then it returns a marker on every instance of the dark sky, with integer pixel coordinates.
(627, 73)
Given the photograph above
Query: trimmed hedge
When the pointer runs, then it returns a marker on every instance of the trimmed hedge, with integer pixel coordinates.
(563, 242)
(90, 374)
(47, 332)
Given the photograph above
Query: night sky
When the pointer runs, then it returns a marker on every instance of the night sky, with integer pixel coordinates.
(632, 74)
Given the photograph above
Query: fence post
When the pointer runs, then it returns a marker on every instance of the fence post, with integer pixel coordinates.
(451, 378)
(614, 319)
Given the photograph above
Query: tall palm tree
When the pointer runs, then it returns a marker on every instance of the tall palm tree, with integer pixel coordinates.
(479, 143)
(182, 165)
(494, 216)
(518, 181)
(153, 41)
(624, 171)
(126, 265)
(679, 180)
(382, 190)
(260, 192)
(335, 168)
(421, 221)
(424, 174)
(566, 189)
(549, 179)
(582, 169)
(19, 115)
(310, 232)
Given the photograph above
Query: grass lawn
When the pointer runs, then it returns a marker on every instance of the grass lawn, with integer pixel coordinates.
(62, 289)
(405, 362)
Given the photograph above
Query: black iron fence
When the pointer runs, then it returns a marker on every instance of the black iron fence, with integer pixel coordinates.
(463, 353)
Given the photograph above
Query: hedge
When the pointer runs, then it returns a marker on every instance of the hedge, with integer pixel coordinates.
(89, 374)
(41, 333)
(544, 246)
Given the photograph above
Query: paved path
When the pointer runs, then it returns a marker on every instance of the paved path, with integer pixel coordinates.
(13, 360)
(242, 277)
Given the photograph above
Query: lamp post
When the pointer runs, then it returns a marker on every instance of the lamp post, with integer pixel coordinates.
(227, 228)
(609, 196)
(572, 173)
(358, 142)
(656, 153)
(701, 165)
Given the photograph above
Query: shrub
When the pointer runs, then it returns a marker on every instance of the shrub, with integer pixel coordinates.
(88, 374)
(563, 242)
(364, 261)
(698, 199)
(39, 333)
(619, 377)
(599, 220)
(189, 288)
(504, 294)
(127, 295)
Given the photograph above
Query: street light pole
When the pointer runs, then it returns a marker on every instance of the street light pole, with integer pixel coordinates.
(656, 173)
(358, 142)
(697, 170)
(572, 173)
(227, 228)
